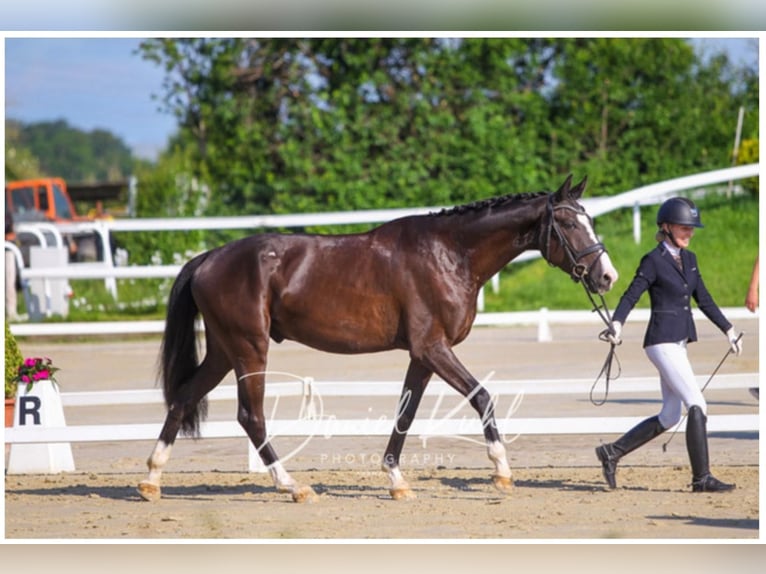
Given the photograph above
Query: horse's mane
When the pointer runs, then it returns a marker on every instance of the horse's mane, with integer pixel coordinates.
(488, 203)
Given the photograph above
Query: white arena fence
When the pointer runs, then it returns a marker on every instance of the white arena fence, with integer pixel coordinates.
(312, 421)
(542, 318)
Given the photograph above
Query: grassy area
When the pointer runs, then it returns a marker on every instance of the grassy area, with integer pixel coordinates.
(137, 299)
(726, 249)
(143, 299)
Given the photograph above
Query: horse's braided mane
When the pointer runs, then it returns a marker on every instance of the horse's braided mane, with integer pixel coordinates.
(488, 203)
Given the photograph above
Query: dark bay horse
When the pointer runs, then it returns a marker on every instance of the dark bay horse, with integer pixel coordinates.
(409, 284)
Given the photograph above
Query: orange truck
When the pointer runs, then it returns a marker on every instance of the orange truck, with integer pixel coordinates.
(47, 200)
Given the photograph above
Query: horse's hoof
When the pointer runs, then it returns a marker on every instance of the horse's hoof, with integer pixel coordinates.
(304, 494)
(149, 491)
(402, 493)
(503, 483)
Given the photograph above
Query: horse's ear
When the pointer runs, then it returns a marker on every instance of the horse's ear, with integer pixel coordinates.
(577, 191)
(563, 191)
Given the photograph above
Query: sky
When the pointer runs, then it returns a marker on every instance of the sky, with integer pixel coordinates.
(101, 83)
(93, 83)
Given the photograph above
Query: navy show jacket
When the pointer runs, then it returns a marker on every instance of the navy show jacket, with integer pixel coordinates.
(670, 294)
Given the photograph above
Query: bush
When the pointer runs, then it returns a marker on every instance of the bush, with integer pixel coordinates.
(13, 360)
(748, 153)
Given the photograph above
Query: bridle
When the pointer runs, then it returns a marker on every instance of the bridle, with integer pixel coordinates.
(578, 273)
(579, 270)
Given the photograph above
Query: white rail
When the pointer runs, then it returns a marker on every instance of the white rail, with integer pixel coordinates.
(645, 195)
(543, 318)
(102, 271)
(303, 388)
(331, 427)
(327, 425)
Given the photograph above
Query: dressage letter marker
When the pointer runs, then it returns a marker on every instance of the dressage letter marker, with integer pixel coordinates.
(40, 407)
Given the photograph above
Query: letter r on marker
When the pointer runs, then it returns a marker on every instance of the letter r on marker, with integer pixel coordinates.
(29, 406)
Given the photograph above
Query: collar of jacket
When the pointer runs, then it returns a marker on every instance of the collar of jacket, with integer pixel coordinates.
(671, 248)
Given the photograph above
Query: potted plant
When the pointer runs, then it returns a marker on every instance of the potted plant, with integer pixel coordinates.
(13, 360)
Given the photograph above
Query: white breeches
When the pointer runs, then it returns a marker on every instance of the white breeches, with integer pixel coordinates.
(677, 381)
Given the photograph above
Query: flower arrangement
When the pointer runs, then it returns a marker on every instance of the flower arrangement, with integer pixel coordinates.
(35, 369)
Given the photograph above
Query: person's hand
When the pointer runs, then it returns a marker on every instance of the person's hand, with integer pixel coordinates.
(751, 301)
(613, 334)
(735, 341)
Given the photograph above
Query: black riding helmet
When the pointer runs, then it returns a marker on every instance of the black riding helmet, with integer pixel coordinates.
(680, 211)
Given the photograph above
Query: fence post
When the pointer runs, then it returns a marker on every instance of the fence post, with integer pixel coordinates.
(48, 296)
(543, 327)
(637, 223)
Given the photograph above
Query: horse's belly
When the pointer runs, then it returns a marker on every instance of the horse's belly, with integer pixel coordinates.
(330, 329)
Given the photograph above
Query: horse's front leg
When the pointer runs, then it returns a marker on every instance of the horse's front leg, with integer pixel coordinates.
(250, 391)
(447, 366)
(414, 385)
(481, 401)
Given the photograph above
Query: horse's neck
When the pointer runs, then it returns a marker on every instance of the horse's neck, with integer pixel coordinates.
(496, 238)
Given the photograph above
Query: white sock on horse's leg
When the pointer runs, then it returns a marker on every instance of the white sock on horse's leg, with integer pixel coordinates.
(149, 489)
(282, 479)
(399, 489)
(157, 461)
(503, 475)
(285, 483)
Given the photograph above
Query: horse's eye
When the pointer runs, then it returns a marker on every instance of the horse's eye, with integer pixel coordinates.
(569, 225)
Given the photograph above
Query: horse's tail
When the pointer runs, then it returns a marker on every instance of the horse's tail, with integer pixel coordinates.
(179, 357)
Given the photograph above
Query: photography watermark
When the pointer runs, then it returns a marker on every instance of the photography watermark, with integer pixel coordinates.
(364, 460)
(461, 421)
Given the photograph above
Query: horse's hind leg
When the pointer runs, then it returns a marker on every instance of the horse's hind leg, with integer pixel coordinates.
(210, 372)
(251, 380)
(414, 385)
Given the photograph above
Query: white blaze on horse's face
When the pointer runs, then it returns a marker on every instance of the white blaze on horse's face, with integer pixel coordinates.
(585, 222)
(608, 276)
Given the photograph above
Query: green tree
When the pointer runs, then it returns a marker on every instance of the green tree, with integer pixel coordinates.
(284, 125)
(636, 111)
(169, 188)
(20, 162)
(75, 155)
(748, 153)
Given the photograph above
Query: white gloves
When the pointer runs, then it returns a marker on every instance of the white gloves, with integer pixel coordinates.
(613, 334)
(735, 341)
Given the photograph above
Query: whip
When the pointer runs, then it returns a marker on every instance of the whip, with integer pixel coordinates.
(710, 378)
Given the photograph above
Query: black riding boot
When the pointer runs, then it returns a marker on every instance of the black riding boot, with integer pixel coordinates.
(696, 444)
(610, 453)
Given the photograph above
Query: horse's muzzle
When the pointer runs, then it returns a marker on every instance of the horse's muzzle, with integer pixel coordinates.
(602, 275)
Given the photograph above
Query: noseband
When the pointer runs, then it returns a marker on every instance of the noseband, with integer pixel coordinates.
(579, 270)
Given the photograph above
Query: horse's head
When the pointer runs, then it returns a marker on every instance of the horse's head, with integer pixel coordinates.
(569, 242)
